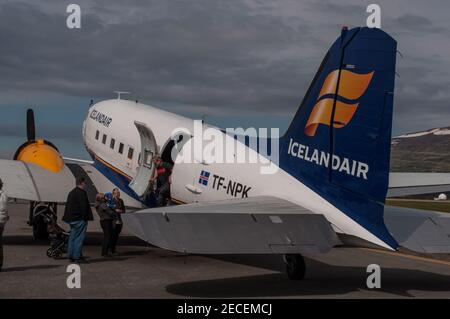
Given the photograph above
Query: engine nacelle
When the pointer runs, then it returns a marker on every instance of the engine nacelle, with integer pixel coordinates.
(42, 153)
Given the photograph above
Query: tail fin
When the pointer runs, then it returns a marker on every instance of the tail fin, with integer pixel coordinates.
(339, 140)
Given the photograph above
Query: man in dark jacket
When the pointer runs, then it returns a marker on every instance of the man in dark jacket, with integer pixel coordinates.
(119, 207)
(77, 213)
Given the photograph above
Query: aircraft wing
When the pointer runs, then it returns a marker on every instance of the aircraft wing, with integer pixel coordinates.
(250, 225)
(31, 182)
(264, 225)
(404, 184)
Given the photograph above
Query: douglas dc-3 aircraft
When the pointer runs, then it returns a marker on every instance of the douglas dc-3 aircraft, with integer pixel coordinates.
(328, 190)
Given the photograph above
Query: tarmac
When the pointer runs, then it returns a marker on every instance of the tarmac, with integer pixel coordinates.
(144, 271)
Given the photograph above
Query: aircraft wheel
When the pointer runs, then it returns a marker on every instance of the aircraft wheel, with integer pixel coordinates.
(295, 266)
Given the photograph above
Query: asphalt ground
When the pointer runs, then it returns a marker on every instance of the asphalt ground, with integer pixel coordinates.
(143, 271)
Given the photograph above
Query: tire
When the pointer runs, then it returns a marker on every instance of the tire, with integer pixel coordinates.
(49, 253)
(57, 254)
(295, 266)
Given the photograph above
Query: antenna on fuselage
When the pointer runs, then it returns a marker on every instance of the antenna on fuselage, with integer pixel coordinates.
(119, 93)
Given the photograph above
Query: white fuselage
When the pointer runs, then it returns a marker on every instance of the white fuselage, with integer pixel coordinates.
(115, 119)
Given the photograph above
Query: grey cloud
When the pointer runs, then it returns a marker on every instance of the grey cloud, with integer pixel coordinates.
(237, 57)
(48, 131)
(416, 23)
(193, 58)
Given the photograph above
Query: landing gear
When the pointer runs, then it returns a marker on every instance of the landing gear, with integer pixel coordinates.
(295, 266)
(39, 228)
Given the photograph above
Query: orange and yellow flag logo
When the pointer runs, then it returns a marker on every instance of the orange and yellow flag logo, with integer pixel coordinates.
(351, 86)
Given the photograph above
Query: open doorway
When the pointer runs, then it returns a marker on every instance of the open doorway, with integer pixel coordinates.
(169, 154)
(178, 140)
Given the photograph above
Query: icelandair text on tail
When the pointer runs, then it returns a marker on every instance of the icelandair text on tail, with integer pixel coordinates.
(318, 157)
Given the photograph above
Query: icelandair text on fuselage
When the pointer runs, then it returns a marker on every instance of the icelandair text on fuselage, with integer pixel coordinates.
(343, 165)
(101, 118)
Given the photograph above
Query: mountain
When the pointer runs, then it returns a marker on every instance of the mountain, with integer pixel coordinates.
(426, 151)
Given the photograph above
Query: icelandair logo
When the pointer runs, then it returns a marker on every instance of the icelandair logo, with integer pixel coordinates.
(318, 157)
(351, 87)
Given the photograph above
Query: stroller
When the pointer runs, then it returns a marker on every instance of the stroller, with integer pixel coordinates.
(57, 235)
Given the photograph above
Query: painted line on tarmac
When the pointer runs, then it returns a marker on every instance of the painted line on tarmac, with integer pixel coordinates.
(397, 254)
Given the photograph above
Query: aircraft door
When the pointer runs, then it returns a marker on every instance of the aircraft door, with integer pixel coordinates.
(145, 170)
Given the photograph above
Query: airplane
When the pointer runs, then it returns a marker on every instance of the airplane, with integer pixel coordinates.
(329, 188)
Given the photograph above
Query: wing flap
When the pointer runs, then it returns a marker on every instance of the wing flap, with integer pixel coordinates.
(255, 225)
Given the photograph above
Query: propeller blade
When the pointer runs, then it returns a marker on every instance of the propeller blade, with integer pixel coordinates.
(31, 133)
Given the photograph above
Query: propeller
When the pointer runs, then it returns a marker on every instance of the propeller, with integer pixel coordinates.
(39, 151)
(31, 131)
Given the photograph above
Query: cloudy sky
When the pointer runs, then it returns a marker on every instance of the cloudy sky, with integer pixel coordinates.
(239, 63)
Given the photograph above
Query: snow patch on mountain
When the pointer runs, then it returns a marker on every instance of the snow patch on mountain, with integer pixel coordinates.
(435, 131)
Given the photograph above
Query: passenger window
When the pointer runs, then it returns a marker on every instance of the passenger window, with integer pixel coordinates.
(130, 153)
(121, 148)
(97, 134)
(113, 142)
(148, 156)
(104, 139)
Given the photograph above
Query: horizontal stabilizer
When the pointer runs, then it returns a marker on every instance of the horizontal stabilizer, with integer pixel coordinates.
(258, 225)
(418, 230)
(406, 184)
